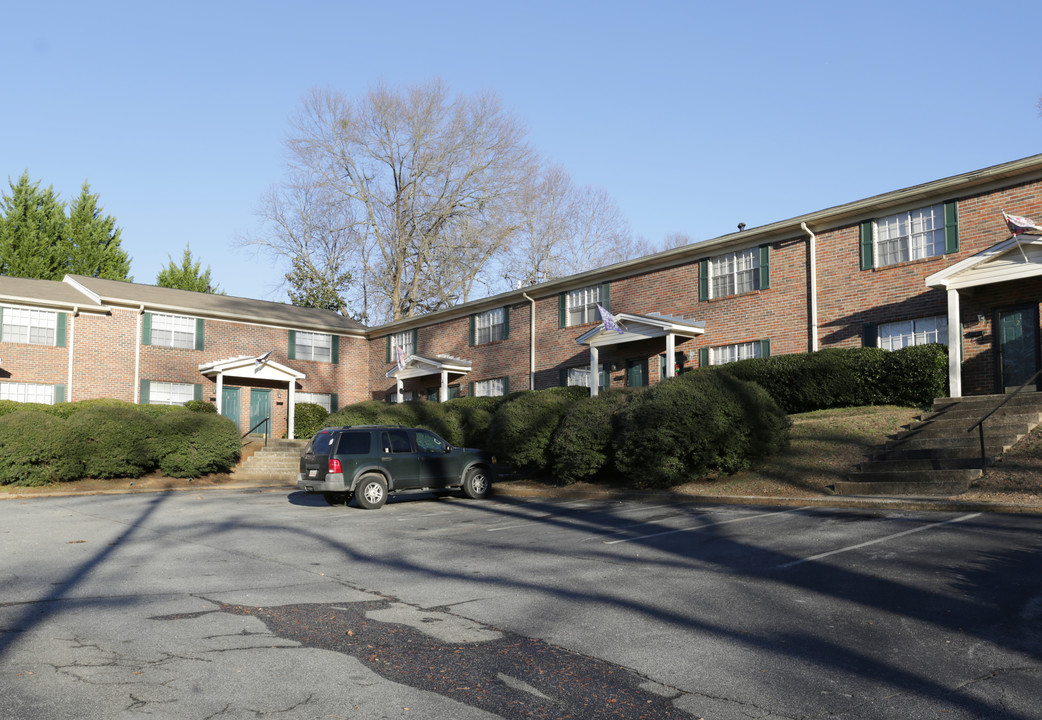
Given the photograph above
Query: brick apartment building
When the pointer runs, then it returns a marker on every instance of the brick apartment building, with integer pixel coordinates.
(930, 263)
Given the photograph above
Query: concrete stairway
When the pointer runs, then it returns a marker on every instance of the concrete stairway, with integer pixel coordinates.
(278, 461)
(936, 455)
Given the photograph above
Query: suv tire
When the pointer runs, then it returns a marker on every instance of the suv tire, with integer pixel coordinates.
(371, 491)
(476, 484)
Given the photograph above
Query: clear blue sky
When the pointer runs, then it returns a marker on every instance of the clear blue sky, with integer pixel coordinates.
(694, 116)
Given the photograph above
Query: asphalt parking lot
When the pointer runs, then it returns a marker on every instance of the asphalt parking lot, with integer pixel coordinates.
(255, 604)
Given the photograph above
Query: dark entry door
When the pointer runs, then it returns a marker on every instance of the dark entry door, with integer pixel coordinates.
(1018, 351)
(260, 408)
(230, 404)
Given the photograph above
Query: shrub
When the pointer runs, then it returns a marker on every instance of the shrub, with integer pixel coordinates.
(581, 449)
(694, 424)
(36, 449)
(474, 416)
(915, 375)
(363, 413)
(10, 406)
(308, 419)
(523, 425)
(190, 444)
(68, 409)
(113, 440)
(155, 411)
(200, 406)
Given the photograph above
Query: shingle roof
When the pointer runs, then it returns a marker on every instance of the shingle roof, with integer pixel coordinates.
(45, 293)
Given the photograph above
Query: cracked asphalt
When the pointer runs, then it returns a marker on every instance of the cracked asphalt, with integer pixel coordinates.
(226, 604)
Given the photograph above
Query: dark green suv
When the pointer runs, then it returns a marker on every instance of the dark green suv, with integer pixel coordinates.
(369, 461)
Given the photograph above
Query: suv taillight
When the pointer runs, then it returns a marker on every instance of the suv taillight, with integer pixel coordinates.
(334, 466)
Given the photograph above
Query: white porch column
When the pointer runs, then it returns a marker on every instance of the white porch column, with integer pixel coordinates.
(220, 391)
(954, 345)
(292, 412)
(399, 389)
(671, 352)
(594, 375)
(443, 391)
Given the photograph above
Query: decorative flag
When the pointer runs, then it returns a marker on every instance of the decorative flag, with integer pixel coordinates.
(609, 320)
(1018, 225)
(399, 356)
(261, 359)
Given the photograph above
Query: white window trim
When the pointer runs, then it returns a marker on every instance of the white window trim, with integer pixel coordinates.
(722, 355)
(404, 341)
(493, 387)
(166, 392)
(727, 265)
(27, 392)
(932, 241)
(920, 331)
(488, 327)
(32, 321)
(181, 329)
(323, 399)
(308, 346)
(583, 302)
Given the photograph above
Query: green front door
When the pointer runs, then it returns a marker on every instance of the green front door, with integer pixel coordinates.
(1018, 351)
(260, 409)
(230, 404)
(636, 373)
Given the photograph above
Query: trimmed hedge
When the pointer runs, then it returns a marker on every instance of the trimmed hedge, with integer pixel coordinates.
(190, 444)
(308, 419)
(524, 424)
(700, 422)
(581, 448)
(36, 448)
(113, 441)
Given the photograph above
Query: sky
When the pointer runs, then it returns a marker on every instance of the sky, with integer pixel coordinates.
(693, 116)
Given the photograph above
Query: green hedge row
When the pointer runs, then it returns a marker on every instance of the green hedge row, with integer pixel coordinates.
(43, 444)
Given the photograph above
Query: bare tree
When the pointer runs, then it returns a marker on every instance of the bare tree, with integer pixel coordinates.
(411, 191)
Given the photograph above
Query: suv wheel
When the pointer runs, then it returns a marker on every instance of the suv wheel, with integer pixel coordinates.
(371, 492)
(476, 484)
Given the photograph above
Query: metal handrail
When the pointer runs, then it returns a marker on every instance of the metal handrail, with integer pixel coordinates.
(980, 423)
(267, 430)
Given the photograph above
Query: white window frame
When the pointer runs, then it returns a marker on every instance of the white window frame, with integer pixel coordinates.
(176, 331)
(489, 327)
(911, 235)
(27, 392)
(323, 399)
(404, 341)
(169, 393)
(581, 305)
(492, 387)
(905, 333)
(313, 346)
(734, 273)
(725, 354)
(30, 326)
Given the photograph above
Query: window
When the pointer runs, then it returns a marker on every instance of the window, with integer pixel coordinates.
(396, 441)
(428, 442)
(489, 327)
(34, 327)
(911, 235)
(352, 443)
(323, 399)
(581, 305)
(171, 330)
(31, 393)
(433, 393)
(489, 388)
(733, 353)
(734, 273)
(313, 346)
(580, 376)
(896, 335)
(166, 393)
(405, 340)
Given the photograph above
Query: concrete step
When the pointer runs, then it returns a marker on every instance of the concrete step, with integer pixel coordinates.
(913, 488)
(956, 427)
(999, 442)
(943, 462)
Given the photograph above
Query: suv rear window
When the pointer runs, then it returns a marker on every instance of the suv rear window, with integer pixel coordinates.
(353, 443)
(319, 444)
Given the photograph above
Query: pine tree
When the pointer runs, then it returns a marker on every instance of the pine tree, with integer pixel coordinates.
(93, 240)
(187, 276)
(32, 232)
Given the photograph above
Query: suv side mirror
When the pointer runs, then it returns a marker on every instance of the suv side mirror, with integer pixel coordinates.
(448, 448)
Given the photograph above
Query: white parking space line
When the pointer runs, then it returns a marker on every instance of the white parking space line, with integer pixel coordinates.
(705, 525)
(931, 526)
(540, 516)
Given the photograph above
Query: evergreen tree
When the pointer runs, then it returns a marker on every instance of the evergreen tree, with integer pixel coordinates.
(187, 276)
(309, 289)
(93, 240)
(32, 232)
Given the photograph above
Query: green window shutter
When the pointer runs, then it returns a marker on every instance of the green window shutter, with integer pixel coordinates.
(951, 227)
(703, 357)
(562, 310)
(869, 336)
(470, 388)
(144, 392)
(199, 340)
(473, 322)
(415, 341)
(334, 403)
(388, 349)
(59, 393)
(606, 295)
(765, 267)
(605, 377)
(562, 377)
(60, 331)
(1, 324)
(867, 254)
(335, 350)
(292, 344)
(197, 391)
(662, 367)
(506, 385)
(765, 348)
(146, 329)
(506, 322)
(703, 279)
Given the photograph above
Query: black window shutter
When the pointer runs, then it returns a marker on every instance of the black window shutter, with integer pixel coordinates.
(146, 329)
(951, 227)
(472, 323)
(292, 345)
(765, 267)
(869, 336)
(200, 324)
(867, 253)
(59, 333)
(703, 357)
(562, 310)
(606, 295)
(765, 348)
(335, 350)
(703, 279)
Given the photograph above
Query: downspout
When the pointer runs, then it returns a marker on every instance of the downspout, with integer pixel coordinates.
(531, 342)
(137, 357)
(72, 349)
(813, 272)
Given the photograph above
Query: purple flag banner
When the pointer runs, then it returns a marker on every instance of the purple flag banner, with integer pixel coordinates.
(1018, 225)
(399, 355)
(609, 320)
(260, 360)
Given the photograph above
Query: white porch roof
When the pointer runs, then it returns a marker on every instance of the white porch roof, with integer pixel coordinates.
(1013, 259)
(247, 366)
(419, 366)
(641, 327)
